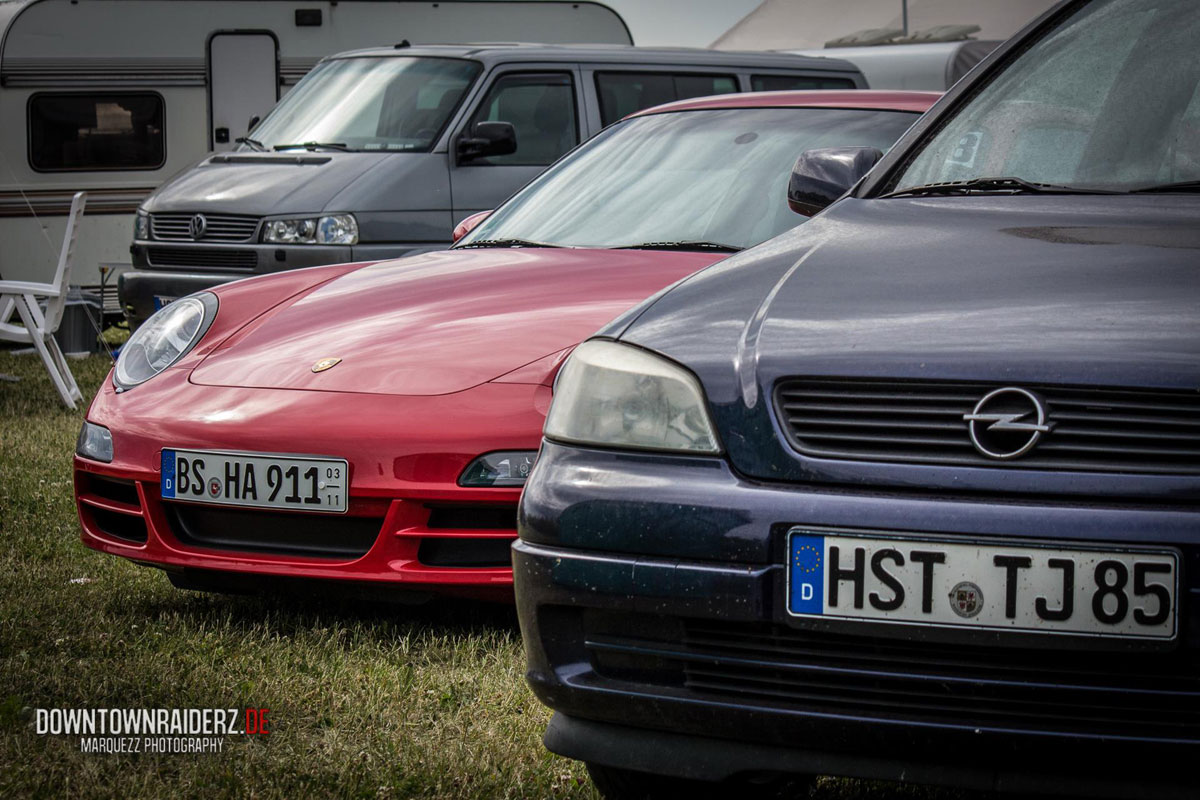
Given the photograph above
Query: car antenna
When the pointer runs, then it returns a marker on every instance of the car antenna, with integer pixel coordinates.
(402, 44)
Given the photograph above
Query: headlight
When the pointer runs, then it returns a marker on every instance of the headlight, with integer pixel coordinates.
(141, 225)
(164, 339)
(333, 229)
(499, 469)
(615, 395)
(94, 442)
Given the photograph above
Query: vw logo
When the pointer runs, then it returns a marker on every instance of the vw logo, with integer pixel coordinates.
(197, 226)
(1007, 423)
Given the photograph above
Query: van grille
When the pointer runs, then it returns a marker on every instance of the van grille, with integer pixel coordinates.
(218, 228)
(1094, 429)
(201, 258)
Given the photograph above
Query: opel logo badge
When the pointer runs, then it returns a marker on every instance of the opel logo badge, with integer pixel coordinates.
(197, 226)
(1007, 423)
(326, 363)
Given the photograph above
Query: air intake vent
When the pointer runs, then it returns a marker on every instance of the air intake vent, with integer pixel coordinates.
(201, 258)
(1090, 428)
(213, 228)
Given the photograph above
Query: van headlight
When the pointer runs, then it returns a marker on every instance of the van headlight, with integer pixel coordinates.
(615, 395)
(141, 225)
(169, 334)
(330, 229)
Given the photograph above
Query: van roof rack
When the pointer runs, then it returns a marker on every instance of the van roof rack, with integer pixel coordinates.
(941, 33)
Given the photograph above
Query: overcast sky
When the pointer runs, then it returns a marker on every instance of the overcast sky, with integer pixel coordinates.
(683, 23)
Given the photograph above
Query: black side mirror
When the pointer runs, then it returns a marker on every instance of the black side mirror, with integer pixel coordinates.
(822, 176)
(253, 123)
(487, 139)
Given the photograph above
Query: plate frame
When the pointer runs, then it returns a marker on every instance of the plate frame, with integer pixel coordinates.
(255, 454)
(1056, 544)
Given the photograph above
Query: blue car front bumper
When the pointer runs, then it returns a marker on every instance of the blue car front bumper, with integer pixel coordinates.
(651, 591)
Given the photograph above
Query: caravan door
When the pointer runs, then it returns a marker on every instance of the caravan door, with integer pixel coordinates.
(243, 82)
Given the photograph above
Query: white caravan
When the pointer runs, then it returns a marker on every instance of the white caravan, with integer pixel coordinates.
(115, 96)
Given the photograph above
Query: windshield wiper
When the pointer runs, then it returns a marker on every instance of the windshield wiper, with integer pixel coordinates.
(315, 146)
(993, 186)
(684, 245)
(255, 144)
(504, 243)
(1180, 186)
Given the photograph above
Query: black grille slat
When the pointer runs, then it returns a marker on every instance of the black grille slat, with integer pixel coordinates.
(202, 258)
(218, 228)
(1068, 691)
(1094, 429)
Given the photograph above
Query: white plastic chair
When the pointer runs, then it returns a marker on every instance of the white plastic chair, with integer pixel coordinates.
(38, 328)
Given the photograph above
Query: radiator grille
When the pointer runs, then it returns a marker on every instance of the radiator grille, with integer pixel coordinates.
(1093, 429)
(1065, 692)
(201, 258)
(218, 228)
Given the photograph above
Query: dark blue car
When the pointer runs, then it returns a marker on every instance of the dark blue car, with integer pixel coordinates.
(912, 491)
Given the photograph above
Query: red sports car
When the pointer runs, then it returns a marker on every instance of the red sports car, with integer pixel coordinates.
(374, 423)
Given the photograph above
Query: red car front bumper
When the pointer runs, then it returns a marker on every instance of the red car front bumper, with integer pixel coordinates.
(408, 524)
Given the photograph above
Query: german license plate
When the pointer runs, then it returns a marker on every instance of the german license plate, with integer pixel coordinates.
(1052, 589)
(297, 483)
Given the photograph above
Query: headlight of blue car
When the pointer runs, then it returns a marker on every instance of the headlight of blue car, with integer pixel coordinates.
(164, 339)
(614, 395)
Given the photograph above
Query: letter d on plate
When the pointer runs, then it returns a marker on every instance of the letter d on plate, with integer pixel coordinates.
(806, 574)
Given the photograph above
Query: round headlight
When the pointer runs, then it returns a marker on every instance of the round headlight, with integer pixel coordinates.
(164, 339)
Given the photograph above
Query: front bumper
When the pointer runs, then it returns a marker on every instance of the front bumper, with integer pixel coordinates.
(408, 525)
(651, 596)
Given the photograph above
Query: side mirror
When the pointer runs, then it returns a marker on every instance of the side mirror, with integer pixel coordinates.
(253, 123)
(487, 139)
(468, 225)
(822, 176)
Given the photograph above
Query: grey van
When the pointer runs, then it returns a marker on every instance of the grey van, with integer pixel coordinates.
(377, 153)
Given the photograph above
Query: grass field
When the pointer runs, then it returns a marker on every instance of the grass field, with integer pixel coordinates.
(365, 700)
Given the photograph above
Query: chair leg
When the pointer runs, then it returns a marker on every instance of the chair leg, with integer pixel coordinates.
(64, 369)
(39, 344)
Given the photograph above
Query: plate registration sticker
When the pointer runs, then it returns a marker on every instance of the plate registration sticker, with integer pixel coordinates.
(257, 480)
(1058, 588)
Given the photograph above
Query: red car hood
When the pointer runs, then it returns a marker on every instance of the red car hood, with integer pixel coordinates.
(441, 322)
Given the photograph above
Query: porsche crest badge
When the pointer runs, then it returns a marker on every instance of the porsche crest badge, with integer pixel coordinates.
(326, 363)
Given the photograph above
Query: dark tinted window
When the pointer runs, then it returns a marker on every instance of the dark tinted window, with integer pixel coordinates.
(96, 131)
(541, 109)
(623, 93)
(787, 83)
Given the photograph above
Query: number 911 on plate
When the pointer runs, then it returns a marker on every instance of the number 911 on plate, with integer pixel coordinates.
(257, 480)
(1048, 589)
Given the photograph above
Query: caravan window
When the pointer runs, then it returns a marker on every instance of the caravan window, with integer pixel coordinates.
(787, 83)
(623, 93)
(96, 131)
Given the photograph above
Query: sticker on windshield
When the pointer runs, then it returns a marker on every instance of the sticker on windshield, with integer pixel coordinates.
(966, 149)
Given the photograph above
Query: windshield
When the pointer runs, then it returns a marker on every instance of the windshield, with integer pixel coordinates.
(1108, 100)
(716, 176)
(369, 104)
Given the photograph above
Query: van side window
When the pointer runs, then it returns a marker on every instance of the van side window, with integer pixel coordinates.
(96, 131)
(541, 109)
(787, 83)
(623, 93)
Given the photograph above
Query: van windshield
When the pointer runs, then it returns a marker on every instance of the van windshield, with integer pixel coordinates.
(1110, 100)
(714, 178)
(388, 104)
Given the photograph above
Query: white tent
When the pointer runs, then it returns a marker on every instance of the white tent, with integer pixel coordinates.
(796, 24)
